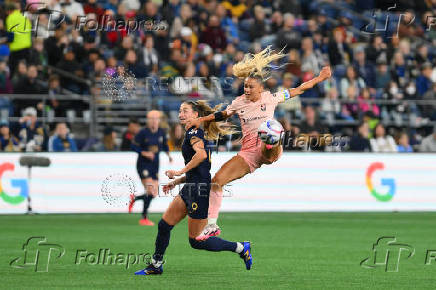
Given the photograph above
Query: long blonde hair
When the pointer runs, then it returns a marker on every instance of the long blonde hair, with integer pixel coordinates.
(213, 130)
(257, 65)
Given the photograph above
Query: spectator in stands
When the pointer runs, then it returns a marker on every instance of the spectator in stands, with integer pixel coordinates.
(29, 84)
(62, 141)
(350, 109)
(403, 143)
(139, 70)
(383, 75)
(93, 7)
(176, 138)
(183, 85)
(71, 66)
(377, 51)
(54, 89)
(311, 125)
(99, 70)
(55, 45)
(364, 69)
(360, 141)
(214, 35)
(292, 105)
(400, 71)
(276, 22)
(109, 141)
(71, 8)
(260, 27)
(422, 55)
(423, 81)
(351, 79)
(5, 81)
(132, 129)
(365, 102)
(126, 45)
(309, 58)
(37, 55)
(229, 24)
(150, 55)
(330, 106)
(236, 7)
(182, 20)
(428, 144)
(294, 66)
(288, 36)
(21, 27)
(8, 142)
(20, 73)
(33, 136)
(382, 142)
(339, 51)
(429, 110)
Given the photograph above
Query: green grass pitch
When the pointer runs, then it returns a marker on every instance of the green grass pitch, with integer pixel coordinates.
(290, 251)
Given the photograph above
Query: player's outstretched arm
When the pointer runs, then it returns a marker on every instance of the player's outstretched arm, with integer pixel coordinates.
(323, 75)
(216, 117)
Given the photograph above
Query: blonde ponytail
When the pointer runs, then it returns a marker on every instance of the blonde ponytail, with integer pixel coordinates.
(256, 65)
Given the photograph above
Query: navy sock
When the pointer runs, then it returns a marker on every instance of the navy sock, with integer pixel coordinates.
(142, 196)
(213, 244)
(147, 200)
(162, 239)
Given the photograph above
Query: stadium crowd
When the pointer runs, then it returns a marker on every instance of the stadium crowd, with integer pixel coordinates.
(193, 45)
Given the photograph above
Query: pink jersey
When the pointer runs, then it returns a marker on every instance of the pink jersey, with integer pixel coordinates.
(252, 114)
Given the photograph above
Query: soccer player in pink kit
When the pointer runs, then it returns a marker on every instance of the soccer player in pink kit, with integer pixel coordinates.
(253, 108)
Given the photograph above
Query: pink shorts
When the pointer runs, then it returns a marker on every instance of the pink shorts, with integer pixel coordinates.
(254, 158)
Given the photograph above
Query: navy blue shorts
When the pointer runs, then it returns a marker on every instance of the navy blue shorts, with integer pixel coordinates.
(196, 198)
(146, 172)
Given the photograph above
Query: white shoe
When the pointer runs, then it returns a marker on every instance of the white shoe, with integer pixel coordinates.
(211, 230)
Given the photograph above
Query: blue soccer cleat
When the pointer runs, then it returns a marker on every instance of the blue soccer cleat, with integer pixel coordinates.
(150, 270)
(246, 255)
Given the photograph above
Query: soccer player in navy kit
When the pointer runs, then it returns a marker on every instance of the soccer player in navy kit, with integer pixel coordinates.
(148, 143)
(193, 199)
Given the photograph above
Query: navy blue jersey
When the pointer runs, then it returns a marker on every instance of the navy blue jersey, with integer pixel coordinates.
(146, 140)
(202, 171)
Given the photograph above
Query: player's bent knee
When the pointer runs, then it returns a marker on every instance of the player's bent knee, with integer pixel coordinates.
(217, 183)
(195, 244)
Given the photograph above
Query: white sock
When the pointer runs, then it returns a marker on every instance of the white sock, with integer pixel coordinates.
(239, 248)
(212, 221)
(156, 263)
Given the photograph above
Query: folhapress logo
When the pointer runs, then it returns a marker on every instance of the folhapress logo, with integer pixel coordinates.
(386, 253)
(389, 182)
(20, 183)
(37, 254)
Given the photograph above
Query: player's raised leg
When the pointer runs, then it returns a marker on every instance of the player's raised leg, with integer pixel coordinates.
(215, 244)
(172, 216)
(233, 169)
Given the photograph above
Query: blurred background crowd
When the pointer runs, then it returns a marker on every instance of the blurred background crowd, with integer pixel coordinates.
(381, 98)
